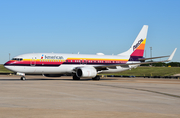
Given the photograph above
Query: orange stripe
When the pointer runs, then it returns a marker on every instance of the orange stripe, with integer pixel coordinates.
(141, 47)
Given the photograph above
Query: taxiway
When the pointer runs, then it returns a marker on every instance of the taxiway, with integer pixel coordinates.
(43, 97)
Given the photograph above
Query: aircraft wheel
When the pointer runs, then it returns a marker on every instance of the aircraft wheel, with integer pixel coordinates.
(23, 78)
(76, 78)
(96, 78)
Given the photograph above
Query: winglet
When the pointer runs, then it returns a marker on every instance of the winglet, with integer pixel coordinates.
(172, 55)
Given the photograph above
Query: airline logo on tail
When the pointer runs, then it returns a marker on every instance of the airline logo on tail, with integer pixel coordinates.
(139, 42)
(139, 48)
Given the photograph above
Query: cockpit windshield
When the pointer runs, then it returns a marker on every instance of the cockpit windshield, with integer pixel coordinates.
(17, 59)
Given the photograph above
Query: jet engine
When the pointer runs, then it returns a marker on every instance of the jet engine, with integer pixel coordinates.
(86, 72)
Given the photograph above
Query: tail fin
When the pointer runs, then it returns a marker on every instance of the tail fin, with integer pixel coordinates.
(139, 44)
(137, 49)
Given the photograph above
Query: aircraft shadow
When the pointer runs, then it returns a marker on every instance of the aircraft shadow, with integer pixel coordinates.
(48, 79)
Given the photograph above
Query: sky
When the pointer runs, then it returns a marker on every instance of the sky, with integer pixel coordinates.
(87, 26)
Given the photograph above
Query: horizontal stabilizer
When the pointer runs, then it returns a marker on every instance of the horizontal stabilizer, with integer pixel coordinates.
(141, 59)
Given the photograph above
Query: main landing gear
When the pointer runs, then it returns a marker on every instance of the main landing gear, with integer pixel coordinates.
(23, 78)
(75, 77)
(96, 78)
(22, 75)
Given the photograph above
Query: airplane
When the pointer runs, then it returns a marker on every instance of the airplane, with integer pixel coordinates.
(82, 65)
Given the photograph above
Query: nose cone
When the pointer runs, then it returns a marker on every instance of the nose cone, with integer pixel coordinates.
(8, 65)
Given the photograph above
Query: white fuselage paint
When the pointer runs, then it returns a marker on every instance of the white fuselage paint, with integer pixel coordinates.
(68, 68)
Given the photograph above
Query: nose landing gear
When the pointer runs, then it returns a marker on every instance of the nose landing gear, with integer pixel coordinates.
(22, 75)
(23, 78)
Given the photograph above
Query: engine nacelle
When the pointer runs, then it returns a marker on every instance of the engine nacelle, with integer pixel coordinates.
(86, 72)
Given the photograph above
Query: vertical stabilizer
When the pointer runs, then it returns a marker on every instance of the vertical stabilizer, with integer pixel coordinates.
(137, 48)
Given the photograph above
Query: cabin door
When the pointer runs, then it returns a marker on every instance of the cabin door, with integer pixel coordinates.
(33, 62)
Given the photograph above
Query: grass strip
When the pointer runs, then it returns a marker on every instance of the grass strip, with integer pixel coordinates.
(140, 71)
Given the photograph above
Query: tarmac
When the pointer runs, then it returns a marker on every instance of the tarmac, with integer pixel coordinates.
(111, 97)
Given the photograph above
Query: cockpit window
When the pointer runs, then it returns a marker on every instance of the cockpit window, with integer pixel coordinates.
(17, 59)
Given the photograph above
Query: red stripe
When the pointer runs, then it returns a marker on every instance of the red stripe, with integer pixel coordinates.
(138, 53)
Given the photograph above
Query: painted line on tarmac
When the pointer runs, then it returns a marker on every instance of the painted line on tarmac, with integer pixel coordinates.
(167, 94)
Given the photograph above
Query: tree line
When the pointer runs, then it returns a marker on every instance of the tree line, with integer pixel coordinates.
(161, 64)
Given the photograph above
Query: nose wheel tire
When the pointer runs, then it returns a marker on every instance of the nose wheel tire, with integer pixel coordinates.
(23, 78)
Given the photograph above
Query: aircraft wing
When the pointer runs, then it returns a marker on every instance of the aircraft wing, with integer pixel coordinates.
(103, 67)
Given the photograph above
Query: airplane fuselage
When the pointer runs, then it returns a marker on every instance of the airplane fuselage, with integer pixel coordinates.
(57, 63)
